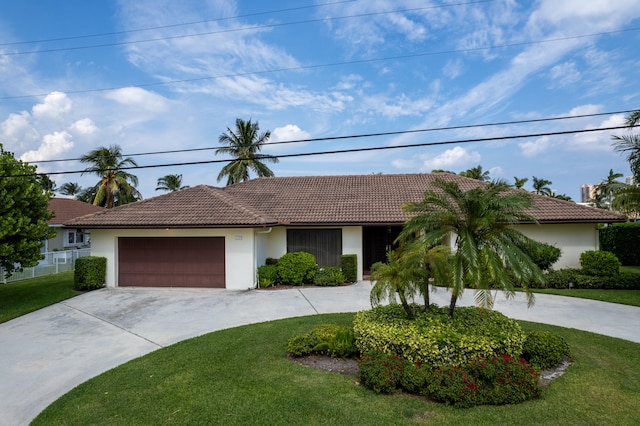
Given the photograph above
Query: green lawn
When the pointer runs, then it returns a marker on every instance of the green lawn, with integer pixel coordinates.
(21, 297)
(625, 297)
(635, 269)
(240, 376)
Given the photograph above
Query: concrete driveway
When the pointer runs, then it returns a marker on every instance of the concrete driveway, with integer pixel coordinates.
(47, 353)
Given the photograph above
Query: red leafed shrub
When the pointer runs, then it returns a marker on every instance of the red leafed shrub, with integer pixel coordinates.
(380, 371)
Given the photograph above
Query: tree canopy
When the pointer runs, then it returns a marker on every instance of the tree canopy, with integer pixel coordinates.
(170, 183)
(24, 211)
(244, 144)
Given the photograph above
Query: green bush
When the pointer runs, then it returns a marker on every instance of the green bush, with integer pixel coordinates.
(494, 380)
(433, 338)
(380, 371)
(544, 349)
(623, 240)
(297, 268)
(329, 276)
(349, 266)
(325, 339)
(271, 261)
(545, 255)
(599, 263)
(90, 273)
(267, 275)
(574, 278)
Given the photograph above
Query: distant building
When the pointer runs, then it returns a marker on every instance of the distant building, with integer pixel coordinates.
(588, 191)
(629, 180)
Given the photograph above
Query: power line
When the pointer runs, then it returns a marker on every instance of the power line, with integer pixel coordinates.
(229, 30)
(368, 135)
(183, 24)
(346, 151)
(331, 64)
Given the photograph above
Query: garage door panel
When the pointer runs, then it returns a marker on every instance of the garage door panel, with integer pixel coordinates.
(171, 262)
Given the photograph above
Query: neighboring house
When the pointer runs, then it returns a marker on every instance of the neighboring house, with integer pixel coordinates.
(217, 237)
(64, 210)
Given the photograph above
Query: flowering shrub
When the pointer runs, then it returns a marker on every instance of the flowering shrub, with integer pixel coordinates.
(495, 380)
(380, 371)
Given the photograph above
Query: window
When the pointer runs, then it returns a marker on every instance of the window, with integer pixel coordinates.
(75, 237)
(324, 244)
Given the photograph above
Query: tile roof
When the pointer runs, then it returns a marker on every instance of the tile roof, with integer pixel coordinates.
(310, 200)
(66, 209)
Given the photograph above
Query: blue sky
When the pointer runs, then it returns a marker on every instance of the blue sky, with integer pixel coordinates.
(317, 70)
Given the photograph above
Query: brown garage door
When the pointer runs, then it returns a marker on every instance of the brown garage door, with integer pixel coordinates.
(171, 262)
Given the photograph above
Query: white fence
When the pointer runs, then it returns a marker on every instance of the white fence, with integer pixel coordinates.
(53, 262)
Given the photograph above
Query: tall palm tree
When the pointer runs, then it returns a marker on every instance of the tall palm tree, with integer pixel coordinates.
(519, 182)
(70, 188)
(630, 144)
(541, 186)
(116, 186)
(489, 251)
(609, 187)
(170, 183)
(244, 144)
(476, 173)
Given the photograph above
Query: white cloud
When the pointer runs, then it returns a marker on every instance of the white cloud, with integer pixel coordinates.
(52, 145)
(596, 141)
(138, 98)
(565, 74)
(17, 132)
(451, 158)
(84, 126)
(289, 132)
(54, 106)
(538, 146)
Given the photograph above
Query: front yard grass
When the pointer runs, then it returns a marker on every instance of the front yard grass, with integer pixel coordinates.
(240, 376)
(21, 297)
(625, 297)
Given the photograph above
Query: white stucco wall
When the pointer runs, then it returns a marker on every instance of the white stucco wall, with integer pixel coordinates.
(239, 249)
(572, 239)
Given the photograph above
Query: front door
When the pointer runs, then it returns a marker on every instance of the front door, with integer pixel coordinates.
(377, 241)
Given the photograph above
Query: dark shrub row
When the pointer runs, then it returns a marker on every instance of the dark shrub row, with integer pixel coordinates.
(623, 240)
(299, 268)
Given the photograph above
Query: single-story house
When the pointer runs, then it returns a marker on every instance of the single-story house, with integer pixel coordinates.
(206, 236)
(64, 210)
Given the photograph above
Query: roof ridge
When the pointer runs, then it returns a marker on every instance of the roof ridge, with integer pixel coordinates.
(241, 205)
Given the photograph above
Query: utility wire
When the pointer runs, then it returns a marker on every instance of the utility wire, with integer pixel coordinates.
(330, 64)
(342, 151)
(368, 135)
(229, 30)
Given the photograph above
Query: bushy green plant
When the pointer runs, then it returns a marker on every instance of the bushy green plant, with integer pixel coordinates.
(573, 278)
(267, 275)
(90, 273)
(326, 339)
(599, 263)
(545, 255)
(349, 266)
(623, 240)
(434, 338)
(380, 371)
(544, 349)
(297, 268)
(271, 261)
(494, 380)
(329, 276)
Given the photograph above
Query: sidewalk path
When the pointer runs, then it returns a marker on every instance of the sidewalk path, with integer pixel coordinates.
(48, 352)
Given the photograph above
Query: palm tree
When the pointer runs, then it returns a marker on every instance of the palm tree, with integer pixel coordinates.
(170, 183)
(476, 173)
(610, 186)
(70, 188)
(627, 201)
(489, 251)
(244, 145)
(630, 144)
(519, 182)
(116, 186)
(541, 186)
(391, 278)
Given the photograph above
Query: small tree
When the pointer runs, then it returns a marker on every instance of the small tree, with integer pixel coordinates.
(392, 278)
(24, 211)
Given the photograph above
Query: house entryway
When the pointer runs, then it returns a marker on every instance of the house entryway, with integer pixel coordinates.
(377, 241)
(171, 262)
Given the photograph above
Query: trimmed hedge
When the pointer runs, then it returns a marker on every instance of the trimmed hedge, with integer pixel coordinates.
(349, 266)
(326, 339)
(574, 278)
(297, 268)
(329, 276)
(599, 263)
(267, 275)
(623, 240)
(90, 273)
(545, 255)
(434, 338)
(545, 349)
